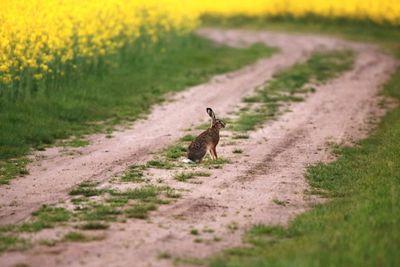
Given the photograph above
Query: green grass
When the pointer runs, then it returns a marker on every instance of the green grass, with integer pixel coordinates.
(164, 255)
(8, 243)
(141, 193)
(279, 202)
(188, 138)
(358, 226)
(11, 168)
(237, 151)
(172, 193)
(319, 68)
(248, 120)
(117, 201)
(208, 230)
(160, 164)
(79, 200)
(87, 189)
(141, 210)
(117, 204)
(45, 217)
(52, 214)
(123, 94)
(175, 152)
(241, 136)
(94, 226)
(89, 214)
(185, 176)
(78, 237)
(232, 227)
(189, 261)
(101, 212)
(194, 232)
(134, 174)
(208, 162)
(76, 142)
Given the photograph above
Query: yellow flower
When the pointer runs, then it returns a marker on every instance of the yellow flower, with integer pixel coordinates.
(47, 36)
(38, 76)
(4, 67)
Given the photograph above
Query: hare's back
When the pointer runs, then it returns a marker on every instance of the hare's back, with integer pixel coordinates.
(197, 149)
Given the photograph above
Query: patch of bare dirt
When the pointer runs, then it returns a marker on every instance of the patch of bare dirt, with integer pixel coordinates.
(233, 198)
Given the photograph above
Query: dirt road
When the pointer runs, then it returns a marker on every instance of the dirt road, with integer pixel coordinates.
(233, 198)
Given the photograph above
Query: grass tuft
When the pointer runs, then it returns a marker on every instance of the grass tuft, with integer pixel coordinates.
(143, 193)
(94, 226)
(194, 232)
(45, 217)
(87, 189)
(76, 142)
(187, 138)
(241, 136)
(133, 175)
(78, 237)
(159, 164)
(183, 177)
(11, 168)
(237, 151)
(140, 211)
(215, 163)
(175, 152)
(10, 243)
(279, 202)
(164, 255)
(101, 212)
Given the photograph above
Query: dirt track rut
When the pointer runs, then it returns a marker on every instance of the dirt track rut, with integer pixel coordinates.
(242, 193)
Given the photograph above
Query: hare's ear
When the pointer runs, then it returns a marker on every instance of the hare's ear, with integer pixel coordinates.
(211, 113)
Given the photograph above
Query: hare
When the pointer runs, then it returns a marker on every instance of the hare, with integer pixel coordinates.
(206, 141)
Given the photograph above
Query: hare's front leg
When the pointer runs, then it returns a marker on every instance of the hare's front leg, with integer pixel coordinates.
(211, 151)
(214, 152)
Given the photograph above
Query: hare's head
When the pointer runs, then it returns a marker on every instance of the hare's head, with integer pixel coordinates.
(216, 123)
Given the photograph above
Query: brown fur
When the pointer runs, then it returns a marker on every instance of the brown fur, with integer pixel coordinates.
(207, 141)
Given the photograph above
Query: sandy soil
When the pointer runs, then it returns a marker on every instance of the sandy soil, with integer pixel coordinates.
(231, 199)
